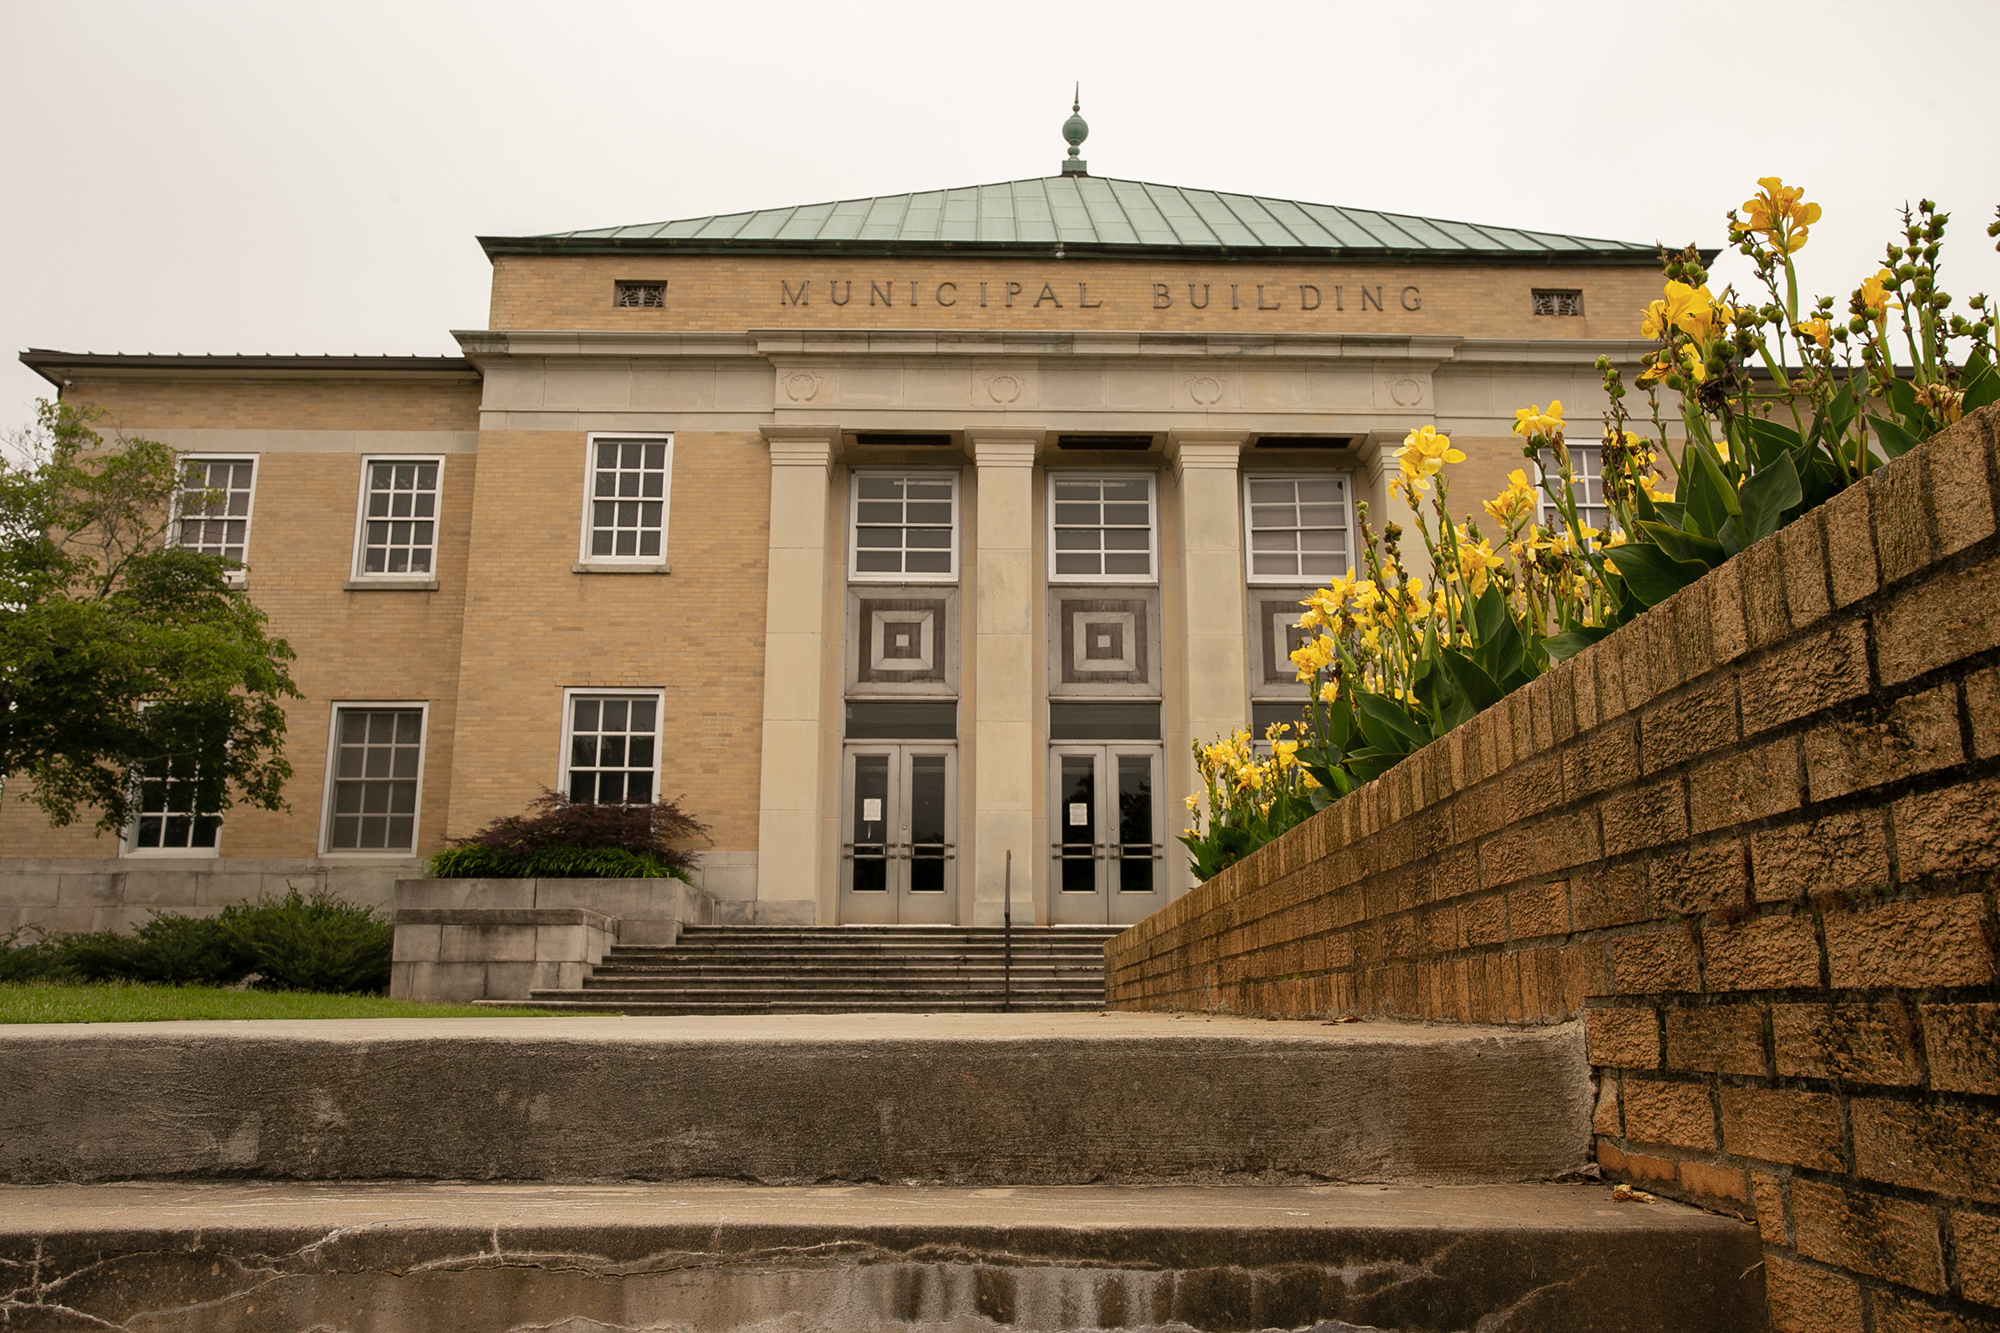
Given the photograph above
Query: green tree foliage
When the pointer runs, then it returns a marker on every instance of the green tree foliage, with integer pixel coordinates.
(117, 646)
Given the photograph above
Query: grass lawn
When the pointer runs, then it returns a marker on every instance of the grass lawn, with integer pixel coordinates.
(120, 1002)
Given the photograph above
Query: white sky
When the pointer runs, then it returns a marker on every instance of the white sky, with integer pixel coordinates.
(269, 177)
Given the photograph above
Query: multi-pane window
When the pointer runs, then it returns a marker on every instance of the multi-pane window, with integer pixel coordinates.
(214, 506)
(372, 798)
(1558, 302)
(1298, 527)
(399, 506)
(1101, 527)
(613, 747)
(1586, 463)
(905, 526)
(628, 499)
(169, 818)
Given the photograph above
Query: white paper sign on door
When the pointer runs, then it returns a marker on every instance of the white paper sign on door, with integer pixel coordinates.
(1079, 814)
(871, 809)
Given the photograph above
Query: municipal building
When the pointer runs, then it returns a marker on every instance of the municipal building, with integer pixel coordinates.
(901, 537)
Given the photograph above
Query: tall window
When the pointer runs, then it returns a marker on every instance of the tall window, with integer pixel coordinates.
(613, 752)
(399, 508)
(214, 506)
(1298, 526)
(1101, 528)
(169, 818)
(905, 526)
(626, 508)
(1586, 461)
(375, 768)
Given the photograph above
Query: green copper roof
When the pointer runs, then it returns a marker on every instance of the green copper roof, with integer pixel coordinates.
(1089, 213)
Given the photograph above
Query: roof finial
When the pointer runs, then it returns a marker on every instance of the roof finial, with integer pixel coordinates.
(1075, 131)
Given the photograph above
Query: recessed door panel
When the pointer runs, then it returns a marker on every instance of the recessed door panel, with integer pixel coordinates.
(1106, 852)
(899, 853)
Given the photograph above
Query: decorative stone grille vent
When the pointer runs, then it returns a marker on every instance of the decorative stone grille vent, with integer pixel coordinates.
(1558, 303)
(643, 295)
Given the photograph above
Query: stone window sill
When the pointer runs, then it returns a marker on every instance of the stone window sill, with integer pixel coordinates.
(597, 567)
(390, 585)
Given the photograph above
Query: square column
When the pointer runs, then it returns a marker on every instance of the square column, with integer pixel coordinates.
(790, 800)
(1005, 603)
(1215, 664)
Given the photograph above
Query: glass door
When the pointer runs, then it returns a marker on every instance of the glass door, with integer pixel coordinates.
(899, 852)
(1107, 859)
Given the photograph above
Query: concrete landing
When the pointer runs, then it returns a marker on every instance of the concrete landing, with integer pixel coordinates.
(975, 1099)
(441, 1258)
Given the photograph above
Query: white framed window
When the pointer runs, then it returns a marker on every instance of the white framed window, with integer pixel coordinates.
(903, 527)
(212, 507)
(395, 533)
(374, 778)
(1298, 526)
(629, 481)
(1101, 527)
(168, 822)
(1586, 462)
(611, 745)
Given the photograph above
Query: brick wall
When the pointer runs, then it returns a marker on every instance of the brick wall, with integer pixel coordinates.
(1750, 840)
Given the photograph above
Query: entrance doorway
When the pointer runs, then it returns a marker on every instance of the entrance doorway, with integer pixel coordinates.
(899, 835)
(1107, 861)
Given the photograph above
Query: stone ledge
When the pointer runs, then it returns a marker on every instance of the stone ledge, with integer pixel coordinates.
(504, 916)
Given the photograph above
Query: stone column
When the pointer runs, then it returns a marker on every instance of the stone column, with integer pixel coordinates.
(1006, 601)
(790, 800)
(1214, 665)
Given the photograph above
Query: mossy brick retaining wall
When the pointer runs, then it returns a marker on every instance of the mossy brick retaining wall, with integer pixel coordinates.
(1752, 839)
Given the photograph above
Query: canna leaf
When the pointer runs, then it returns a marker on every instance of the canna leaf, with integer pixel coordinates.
(1894, 439)
(1980, 382)
(1766, 497)
(1652, 574)
(1681, 545)
(1771, 440)
(1489, 613)
(1479, 688)
(1391, 724)
(1571, 642)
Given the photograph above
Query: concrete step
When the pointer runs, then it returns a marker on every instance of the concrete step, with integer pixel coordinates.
(733, 1259)
(845, 976)
(974, 1099)
(734, 1004)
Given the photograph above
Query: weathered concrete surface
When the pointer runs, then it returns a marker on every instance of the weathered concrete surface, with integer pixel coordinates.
(952, 1099)
(383, 1259)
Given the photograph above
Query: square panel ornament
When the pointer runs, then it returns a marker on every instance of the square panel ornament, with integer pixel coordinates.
(1103, 645)
(901, 645)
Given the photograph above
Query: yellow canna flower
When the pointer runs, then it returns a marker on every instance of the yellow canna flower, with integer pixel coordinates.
(1650, 483)
(1536, 424)
(1193, 804)
(1818, 330)
(1423, 455)
(1779, 213)
(1474, 562)
(1329, 692)
(1876, 291)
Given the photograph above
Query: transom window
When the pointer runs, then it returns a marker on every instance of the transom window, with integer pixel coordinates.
(399, 507)
(1298, 526)
(613, 748)
(169, 820)
(214, 506)
(377, 761)
(905, 526)
(1101, 528)
(1586, 461)
(628, 499)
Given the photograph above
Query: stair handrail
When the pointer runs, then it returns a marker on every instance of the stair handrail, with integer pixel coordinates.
(1007, 937)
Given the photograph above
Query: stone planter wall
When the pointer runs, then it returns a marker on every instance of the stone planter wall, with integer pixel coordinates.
(1753, 838)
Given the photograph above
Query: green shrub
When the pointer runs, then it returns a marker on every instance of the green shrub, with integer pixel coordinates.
(476, 862)
(319, 943)
(178, 950)
(563, 839)
(28, 954)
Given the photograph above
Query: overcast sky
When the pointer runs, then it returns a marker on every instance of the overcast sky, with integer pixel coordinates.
(268, 177)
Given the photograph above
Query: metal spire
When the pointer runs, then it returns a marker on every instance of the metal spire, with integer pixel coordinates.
(1075, 130)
